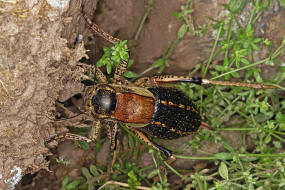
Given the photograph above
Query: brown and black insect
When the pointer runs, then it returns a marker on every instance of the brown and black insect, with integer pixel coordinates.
(147, 106)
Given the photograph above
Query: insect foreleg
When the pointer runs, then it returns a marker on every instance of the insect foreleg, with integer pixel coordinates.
(119, 72)
(100, 76)
(97, 30)
(122, 66)
(64, 136)
(95, 130)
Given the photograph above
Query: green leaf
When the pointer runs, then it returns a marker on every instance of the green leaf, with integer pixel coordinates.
(124, 55)
(161, 68)
(133, 180)
(72, 185)
(235, 74)
(130, 63)
(90, 186)
(245, 61)
(223, 156)
(106, 49)
(227, 146)
(86, 173)
(130, 74)
(84, 145)
(223, 171)
(64, 181)
(158, 63)
(100, 63)
(123, 43)
(220, 67)
(153, 173)
(94, 170)
(182, 31)
(280, 118)
(267, 139)
(116, 58)
(109, 68)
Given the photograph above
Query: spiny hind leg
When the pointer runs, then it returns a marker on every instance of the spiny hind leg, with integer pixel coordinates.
(160, 80)
(167, 153)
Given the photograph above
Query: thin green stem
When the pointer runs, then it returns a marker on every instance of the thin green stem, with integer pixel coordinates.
(156, 166)
(239, 155)
(262, 155)
(196, 157)
(278, 137)
(235, 129)
(144, 72)
(174, 171)
(150, 4)
(229, 34)
(240, 69)
(278, 132)
(213, 51)
(171, 48)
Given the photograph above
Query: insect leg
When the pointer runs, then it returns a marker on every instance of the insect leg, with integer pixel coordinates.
(97, 30)
(95, 130)
(119, 72)
(167, 153)
(112, 135)
(114, 141)
(159, 80)
(100, 76)
(68, 136)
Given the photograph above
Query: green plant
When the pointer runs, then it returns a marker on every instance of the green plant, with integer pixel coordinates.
(257, 115)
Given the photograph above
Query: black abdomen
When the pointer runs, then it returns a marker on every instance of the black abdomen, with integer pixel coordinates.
(175, 115)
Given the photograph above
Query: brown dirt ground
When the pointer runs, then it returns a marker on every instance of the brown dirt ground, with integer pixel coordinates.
(38, 67)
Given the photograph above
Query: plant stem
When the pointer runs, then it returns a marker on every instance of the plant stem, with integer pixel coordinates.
(150, 4)
(173, 170)
(213, 51)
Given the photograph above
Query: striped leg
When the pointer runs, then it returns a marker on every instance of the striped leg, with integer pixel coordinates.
(160, 80)
(167, 153)
(119, 72)
(97, 30)
(66, 136)
(114, 141)
(95, 130)
(100, 76)
(122, 67)
(112, 134)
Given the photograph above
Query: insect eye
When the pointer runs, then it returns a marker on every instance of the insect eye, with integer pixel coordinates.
(104, 102)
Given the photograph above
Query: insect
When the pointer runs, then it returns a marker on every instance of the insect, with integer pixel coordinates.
(146, 107)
